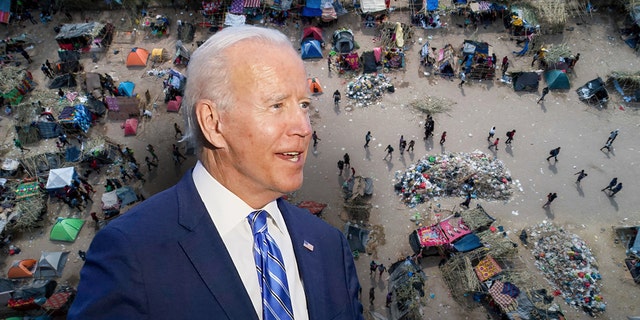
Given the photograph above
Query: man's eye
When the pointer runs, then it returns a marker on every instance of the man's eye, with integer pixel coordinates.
(277, 106)
(305, 105)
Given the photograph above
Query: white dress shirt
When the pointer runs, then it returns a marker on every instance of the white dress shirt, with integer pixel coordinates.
(229, 214)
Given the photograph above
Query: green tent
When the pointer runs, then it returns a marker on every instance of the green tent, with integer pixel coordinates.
(556, 79)
(66, 229)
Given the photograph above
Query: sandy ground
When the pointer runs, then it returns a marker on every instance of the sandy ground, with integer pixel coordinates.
(562, 120)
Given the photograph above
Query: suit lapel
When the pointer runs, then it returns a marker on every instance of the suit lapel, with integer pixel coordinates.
(209, 256)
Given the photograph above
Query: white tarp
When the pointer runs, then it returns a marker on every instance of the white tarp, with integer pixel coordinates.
(59, 178)
(234, 20)
(368, 6)
(110, 200)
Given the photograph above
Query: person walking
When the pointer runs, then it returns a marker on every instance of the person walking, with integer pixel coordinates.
(467, 200)
(505, 67)
(550, 198)
(381, 270)
(48, 64)
(177, 130)
(443, 138)
(347, 160)
(463, 79)
(367, 139)
(124, 174)
(177, 154)
(315, 138)
(372, 295)
(510, 135)
(152, 151)
(402, 145)
(25, 55)
(46, 71)
(554, 154)
(63, 139)
(616, 189)
(337, 97)
(612, 136)
(149, 163)
(492, 132)
(60, 93)
(329, 63)
(353, 172)
(340, 166)
(495, 144)
(412, 143)
(545, 91)
(612, 184)
(389, 150)
(607, 145)
(581, 174)
(373, 266)
(574, 61)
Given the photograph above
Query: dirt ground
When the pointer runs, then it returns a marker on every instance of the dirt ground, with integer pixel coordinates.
(562, 120)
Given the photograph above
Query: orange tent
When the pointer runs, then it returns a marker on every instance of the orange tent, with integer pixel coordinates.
(314, 86)
(22, 269)
(137, 57)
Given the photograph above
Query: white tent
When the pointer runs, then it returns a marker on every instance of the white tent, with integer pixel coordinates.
(59, 178)
(370, 6)
(51, 264)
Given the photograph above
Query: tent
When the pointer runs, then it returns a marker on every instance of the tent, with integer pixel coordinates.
(60, 178)
(81, 36)
(64, 80)
(343, 41)
(370, 6)
(137, 57)
(556, 79)
(126, 195)
(75, 118)
(312, 8)
(310, 49)
(312, 33)
(22, 269)
(130, 127)
(66, 229)
(159, 55)
(314, 86)
(126, 88)
(594, 91)
(525, 81)
(174, 105)
(51, 264)
(369, 62)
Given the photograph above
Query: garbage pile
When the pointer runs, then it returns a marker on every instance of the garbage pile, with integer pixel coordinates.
(368, 88)
(454, 174)
(569, 266)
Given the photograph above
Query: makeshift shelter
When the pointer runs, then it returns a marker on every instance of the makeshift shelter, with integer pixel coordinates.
(130, 127)
(174, 105)
(174, 85)
(556, 79)
(51, 265)
(312, 8)
(22, 269)
(126, 88)
(393, 58)
(60, 178)
(66, 229)
(314, 86)
(75, 119)
(525, 81)
(311, 49)
(406, 284)
(16, 84)
(312, 33)
(369, 62)
(126, 195)
(348, 62)
(446, 61)
(477, 62)
(357, 237)
(182, 55)
(186, 31)
(372, 6)
(159, 55)
(122, 108)
(137, 57)
(343, 41)
(594, 91)
(85, 36)
(64, 80)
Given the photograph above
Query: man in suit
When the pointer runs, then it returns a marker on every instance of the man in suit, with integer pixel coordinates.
(188, 252)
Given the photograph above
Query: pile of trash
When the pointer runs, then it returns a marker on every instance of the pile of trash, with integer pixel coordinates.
(368, 88)
(454, 174)
(569, 266)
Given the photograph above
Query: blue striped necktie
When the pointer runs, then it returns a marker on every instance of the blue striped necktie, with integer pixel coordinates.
(276, 300)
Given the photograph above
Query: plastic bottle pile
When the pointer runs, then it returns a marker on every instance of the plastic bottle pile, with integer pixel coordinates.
(368, 88)
(568, 265)
(454, 175)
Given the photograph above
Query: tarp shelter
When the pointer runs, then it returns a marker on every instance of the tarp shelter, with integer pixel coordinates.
(312, 33)
(312, 8)
(76, 118)
(370, 6)
(110, 200)
(22, 269)
(48, 129)
(72, 154)
(64, 80)
(66, 229)
(126, 195)
(594, 91)
(314, 86)
(51, 265)
(60, 178)
(468, 243)
(130, 127)
(80, 36)
(369, 62)
(343, 41)
(357, 237)
(96, 106)
(137, 57)
(174, 105)
(525, 81)
(311, 49)
(126, 88)
(556, 79)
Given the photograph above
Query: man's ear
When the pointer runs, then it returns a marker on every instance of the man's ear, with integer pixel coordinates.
(208, 117)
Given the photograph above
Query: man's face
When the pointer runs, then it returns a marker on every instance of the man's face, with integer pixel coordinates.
(267, 128)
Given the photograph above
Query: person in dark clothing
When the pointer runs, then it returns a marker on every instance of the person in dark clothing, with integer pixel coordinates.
(612, 184)
(467, 200)
(581, 174)
(402, 145)
(82, 255)
(443, 138)
(340, 166)
(607, 145)
(372, 295)
(149, 163)
(26, 55)
(60, 93)
(510, 135)
(554, 154)
(63, 139)
(336, 97)
(315, 138)
(177, 129)
(616, 189)
(373, 266)
(367, 139)
(46, 71)
(347, 160)
(612, 136)
(545, 91)
(411, 145)
(550, 198)
(389, 150)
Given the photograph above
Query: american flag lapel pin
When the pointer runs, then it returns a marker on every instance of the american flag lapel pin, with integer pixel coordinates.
(308, 245)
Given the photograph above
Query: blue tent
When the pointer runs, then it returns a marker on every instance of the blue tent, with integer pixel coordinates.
(311, 49)
(312, 9)
(556, 79)
(126, 88)
(432, 5)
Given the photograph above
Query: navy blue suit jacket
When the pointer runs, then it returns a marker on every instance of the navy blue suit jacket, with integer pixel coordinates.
(164, 259)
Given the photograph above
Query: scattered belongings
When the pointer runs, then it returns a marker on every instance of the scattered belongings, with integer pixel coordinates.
(594, 92)
(628, 237)
(368, 88)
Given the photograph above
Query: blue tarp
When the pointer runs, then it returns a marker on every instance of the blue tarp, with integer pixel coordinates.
(48, 130)
(126, 88)
(72, 154)
(126, 195)
(432, 5)
(468, 243)
(311, 49)
(312, 9)
(79, 115)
